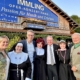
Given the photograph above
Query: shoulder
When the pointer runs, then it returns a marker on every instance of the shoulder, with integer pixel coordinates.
(42, 50)
(10, 53)
(55, 46)
(68, 51)
(23, 41)
(34, 41)
(72, 48)
(25, 54)
(45, 46)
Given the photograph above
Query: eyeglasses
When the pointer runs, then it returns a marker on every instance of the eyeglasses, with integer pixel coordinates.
(30, 35)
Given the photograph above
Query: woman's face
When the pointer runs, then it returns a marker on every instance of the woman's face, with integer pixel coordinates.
(39, 45)
(3, 43)
(18, 49)
(62, 45)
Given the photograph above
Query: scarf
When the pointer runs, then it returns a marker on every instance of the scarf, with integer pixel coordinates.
(76, 45)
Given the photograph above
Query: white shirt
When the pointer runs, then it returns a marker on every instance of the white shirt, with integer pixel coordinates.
(48, 54)
(30, 48)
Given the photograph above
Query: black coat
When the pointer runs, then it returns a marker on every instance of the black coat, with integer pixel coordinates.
(25, 66)
(55, 55)
(65, 72)
(24, 42)
(39, 67)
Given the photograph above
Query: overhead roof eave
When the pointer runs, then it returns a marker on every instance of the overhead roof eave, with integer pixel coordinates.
(61, 12)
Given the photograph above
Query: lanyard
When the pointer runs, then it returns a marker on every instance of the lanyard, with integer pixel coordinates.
(63, 56)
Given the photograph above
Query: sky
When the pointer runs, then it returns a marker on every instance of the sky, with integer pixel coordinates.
(71, 7)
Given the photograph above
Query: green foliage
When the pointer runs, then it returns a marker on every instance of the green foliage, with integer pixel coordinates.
(14, 37)
(41, 35)
(12, 41)
(74, 17)
(55, 37)
(77, 20)
(77, 30)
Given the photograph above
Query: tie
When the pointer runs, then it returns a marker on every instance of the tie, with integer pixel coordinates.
(51, 54)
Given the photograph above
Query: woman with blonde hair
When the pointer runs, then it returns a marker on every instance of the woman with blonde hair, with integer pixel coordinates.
(4, 60)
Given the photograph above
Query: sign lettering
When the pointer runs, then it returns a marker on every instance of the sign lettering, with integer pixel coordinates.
(11, 9)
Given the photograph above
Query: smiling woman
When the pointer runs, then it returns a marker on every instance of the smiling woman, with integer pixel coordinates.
(20, 67)
(3, 58)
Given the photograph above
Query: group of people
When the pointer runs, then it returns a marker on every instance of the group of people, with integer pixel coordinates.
(35, 60)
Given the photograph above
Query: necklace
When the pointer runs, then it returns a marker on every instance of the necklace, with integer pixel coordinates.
(63, 56)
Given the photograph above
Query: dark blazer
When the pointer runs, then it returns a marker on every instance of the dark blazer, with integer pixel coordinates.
(25, 45)
(55, 55)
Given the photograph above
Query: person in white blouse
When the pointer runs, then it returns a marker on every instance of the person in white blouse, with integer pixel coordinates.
(20, 67)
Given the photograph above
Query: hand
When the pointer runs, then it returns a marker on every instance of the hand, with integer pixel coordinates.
(74, 69)
(27, 78)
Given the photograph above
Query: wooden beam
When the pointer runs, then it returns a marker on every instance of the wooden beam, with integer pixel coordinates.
(24, 31)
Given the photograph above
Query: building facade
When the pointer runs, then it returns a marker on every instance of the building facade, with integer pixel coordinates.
(43, 16)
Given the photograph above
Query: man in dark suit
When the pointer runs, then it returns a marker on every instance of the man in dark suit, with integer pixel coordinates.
(51, 59)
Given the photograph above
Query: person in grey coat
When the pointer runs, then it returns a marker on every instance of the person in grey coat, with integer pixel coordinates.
(75, 55)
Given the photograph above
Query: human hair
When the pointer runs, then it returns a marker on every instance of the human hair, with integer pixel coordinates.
(4, 36)
(78, 34)
(30, 31)
(13, 47)
(38, 40)
(49, 36)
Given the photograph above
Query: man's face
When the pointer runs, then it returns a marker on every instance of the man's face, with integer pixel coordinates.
(30, 36)
(75, 39)
(49, 41)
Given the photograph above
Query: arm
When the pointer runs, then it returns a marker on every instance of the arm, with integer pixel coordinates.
(26, 66)
(76, 68)
(28, 73)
